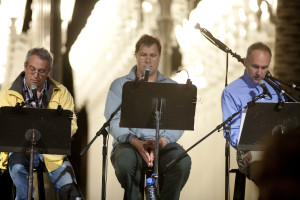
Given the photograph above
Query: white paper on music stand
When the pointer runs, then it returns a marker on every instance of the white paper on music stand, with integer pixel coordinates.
(243, 113)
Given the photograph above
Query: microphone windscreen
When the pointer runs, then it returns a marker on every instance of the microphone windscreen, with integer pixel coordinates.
(33, 87)
(147, 71)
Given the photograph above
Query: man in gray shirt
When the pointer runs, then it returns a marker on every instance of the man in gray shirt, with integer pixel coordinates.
(131, 145)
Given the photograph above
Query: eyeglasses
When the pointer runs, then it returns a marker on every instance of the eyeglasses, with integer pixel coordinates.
(152, 57)
(40, 72)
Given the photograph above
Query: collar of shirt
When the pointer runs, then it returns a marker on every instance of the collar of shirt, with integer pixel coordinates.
(28, 94)
(132, 75)
(249, 82)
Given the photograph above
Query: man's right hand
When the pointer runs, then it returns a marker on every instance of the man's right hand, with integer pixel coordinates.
(143, 147)
(243, 159)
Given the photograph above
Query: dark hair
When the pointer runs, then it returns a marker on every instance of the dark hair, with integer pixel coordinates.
(258, 46)
(148, 41)
(43, 53)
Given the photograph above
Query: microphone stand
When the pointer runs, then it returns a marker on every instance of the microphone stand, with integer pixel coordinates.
(18, 106)
(228, 120)
(224, 48)
(218, 43)
(227, 128)
(291, 85)
(278, 88)
(104, 150)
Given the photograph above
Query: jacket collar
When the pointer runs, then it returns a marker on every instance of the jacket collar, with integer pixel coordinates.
(18, 84)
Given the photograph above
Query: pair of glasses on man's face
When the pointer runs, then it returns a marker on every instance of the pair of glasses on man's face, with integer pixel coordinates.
(40, 72)
(151, 57)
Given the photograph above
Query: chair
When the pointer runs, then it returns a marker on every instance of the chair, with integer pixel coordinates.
(239, 184)
(40, 183)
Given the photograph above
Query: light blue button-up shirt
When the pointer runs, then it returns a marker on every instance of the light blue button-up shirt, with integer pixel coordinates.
(236, 96)
(121, 134)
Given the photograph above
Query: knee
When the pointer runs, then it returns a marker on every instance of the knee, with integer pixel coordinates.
(184, 165)
(123, 168)
(16, 168)
(126, 162)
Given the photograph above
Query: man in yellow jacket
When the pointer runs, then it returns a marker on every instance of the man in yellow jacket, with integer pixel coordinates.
(50, 94)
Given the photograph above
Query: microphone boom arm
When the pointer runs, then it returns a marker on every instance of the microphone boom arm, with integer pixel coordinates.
(106, 124)
(292, 85)
(218, 43)
(282, 91)
(249, 104)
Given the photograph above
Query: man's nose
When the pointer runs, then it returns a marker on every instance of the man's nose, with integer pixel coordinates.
(36, 73)
(259, 71)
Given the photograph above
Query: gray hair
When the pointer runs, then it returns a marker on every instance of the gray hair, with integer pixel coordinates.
(258, 46)
(43, 53)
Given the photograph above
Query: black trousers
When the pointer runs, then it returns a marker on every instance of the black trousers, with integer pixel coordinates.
(128, 165)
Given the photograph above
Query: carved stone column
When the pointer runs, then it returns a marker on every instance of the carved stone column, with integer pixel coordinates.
(41, 16)
(165, 24)
(55, 40)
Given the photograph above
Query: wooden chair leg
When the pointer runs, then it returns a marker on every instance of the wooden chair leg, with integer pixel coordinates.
(40, 182)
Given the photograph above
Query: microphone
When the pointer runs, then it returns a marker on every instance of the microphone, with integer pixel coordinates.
(212, 39)
(34, 93)
(147, 71)
(268, 74)
(290, 84)
(188, 81)
(264, 87)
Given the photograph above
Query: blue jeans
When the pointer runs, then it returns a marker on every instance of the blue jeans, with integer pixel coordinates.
(18, 164)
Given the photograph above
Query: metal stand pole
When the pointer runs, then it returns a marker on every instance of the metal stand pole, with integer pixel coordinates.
(33, 136)
(104, 155)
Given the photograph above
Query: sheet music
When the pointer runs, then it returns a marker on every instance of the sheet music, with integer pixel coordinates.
(244, 111)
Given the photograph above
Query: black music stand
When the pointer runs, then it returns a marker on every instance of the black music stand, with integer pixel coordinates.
(42, 131)
(139, 102)
(265, 119)
(158, 106)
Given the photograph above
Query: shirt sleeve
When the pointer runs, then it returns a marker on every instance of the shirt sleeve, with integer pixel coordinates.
(67, 103)
(113, 101)
(230, 105)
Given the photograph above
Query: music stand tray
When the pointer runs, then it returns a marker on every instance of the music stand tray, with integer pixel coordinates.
(264, 119)
(139, 101)
(53, 125)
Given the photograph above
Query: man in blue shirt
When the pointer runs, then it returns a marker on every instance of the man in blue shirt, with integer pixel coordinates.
(131, 145)
(243, 90)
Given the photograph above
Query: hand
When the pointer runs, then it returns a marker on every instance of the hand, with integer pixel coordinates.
(246, 156)
(142, 147)
(151, 143)
(162, 143)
